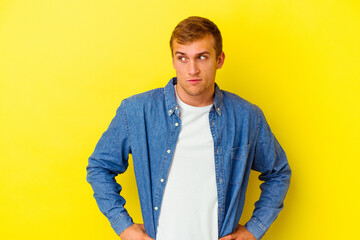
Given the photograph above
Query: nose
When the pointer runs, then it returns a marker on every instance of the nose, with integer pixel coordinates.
(193, 67)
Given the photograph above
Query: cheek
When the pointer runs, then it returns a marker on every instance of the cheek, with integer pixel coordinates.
(179, 72)
(180, 69)
(209, 65)
(207, 70)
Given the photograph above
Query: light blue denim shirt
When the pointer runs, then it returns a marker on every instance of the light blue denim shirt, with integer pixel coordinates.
(147, 126)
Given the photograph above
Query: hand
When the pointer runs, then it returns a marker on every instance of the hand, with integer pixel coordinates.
(135, 232)
(240, 233)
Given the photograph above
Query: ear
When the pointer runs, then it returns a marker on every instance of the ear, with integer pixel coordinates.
(173, 61)
(220, 60)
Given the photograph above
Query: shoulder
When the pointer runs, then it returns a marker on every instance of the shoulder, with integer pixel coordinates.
(235, 102)
(145, 98)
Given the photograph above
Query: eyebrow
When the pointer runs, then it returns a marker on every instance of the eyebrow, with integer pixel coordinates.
(202, 53)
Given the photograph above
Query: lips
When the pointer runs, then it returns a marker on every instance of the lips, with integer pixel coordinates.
(194, 80)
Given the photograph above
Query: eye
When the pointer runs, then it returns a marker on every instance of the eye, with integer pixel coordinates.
(182, 59)
(201, 57)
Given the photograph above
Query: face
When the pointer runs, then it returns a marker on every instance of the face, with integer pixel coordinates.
(196, 64)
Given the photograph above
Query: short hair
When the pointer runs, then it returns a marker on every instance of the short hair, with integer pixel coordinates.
(195, 28)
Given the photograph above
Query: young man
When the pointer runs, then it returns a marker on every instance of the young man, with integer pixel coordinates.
(193, 146)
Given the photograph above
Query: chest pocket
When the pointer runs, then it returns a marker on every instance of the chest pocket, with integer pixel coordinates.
(238, 163)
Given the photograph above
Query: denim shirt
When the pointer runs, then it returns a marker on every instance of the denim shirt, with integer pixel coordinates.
(147, 126)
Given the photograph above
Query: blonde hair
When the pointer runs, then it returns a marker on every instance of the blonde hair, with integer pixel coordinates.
(195, 28)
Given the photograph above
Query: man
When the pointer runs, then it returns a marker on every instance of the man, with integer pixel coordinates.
(193, 146)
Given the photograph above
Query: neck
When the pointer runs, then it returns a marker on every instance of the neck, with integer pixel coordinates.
(201, 100)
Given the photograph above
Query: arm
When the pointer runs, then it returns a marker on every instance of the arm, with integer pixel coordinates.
(240, 233)
(109, 159)
(271, 161)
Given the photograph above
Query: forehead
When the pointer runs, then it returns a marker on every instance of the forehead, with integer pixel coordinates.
(205, 44)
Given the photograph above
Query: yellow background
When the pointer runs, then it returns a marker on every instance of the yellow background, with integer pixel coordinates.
(65, 66)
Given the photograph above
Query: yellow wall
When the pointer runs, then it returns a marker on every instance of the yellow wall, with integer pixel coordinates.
(65, 65)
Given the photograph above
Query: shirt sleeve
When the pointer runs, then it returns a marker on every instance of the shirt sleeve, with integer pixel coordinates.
(271, 161)
(109, 159)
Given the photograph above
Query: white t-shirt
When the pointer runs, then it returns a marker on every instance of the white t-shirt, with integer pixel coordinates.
(189, 207)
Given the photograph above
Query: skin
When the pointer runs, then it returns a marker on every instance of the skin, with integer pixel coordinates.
(195, 64)
(135, 232)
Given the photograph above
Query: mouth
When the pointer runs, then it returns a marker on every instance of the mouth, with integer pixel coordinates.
(194, 80)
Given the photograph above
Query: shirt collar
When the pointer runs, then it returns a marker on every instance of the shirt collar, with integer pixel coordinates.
(173, 107)
(218, 100)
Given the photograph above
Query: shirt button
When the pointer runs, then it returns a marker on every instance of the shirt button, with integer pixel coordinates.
(212, 123)
(176, 107)
(218, 109)
(217, 151)
(168, 151)
(162, 180)
(176, 124)
(170, 111)
(156, 208)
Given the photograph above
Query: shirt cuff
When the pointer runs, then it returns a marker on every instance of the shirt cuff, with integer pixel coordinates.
(122, 222)
(256, 228)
